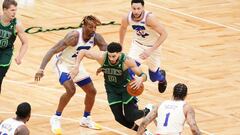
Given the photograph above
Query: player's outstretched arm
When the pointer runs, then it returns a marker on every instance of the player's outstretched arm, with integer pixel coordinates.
(70, 39)
(147, 120)
(123, 29)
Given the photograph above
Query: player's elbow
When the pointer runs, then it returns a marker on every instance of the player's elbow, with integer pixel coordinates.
(196, 132)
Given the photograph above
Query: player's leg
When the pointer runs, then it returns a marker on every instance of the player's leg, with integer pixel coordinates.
(3, 71)
(63, 101)
(132, 113)
(84, 81)
(90, 91)
(134, 53)
(115, 103)
(65, 80)
(120, 118)
(70, 88)
(88, 87)
(155, 73)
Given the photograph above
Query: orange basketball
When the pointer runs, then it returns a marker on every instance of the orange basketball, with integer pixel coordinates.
(135, 92)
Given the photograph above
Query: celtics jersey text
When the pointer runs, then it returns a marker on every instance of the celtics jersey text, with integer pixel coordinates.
(8, 34)
(114, 74)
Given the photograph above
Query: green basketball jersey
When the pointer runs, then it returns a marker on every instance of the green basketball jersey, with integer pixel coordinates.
(8, 34)
(7, 38)
(114, 74)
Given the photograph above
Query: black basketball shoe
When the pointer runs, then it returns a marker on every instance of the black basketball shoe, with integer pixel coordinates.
(163, 84)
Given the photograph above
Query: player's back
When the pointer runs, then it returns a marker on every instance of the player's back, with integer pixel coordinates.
(8, 126)
(170, 118)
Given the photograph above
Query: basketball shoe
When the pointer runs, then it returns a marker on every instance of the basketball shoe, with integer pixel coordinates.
(87, 122)
(56, 125)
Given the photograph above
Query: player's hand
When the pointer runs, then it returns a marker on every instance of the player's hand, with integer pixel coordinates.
(99, 70)
(39, 75)
(18, 60)
(145, 54)
(74, 72)
(136, 83)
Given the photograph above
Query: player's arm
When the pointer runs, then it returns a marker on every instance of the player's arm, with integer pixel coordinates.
(130, 63)
(90, 54)
(190, 117)
(147, 120)
(100, 42)
(140, 75)
(155, 25)
(22, 130)
(70, 39)
(23, 38)
(123, 29)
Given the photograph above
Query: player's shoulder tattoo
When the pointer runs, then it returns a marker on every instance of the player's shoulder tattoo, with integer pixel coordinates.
(71, 38)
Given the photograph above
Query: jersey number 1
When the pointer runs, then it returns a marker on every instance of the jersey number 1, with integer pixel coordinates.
(166, 119)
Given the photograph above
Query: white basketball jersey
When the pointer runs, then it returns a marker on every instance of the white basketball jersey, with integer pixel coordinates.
(8, 126)
(69, 54)
(143, 34)
(171, 117)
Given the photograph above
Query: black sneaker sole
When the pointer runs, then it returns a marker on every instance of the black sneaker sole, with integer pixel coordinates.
(162, 85)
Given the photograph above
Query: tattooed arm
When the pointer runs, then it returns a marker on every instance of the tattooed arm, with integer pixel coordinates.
(190, 117)
(70, 39)
(100, 42)
(148, 119)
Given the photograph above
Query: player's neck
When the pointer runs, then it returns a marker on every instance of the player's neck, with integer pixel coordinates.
(20, 119)
(5, 20)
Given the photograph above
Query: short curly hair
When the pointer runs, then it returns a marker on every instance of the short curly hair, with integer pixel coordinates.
(180, 91)
(90, 18)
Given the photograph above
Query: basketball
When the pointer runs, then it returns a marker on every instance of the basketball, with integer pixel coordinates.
(134, 92)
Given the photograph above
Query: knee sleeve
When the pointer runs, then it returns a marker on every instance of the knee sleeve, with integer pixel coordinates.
(156, 76)
(131, 73)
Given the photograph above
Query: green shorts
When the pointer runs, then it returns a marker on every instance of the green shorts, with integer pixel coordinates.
(5, 57)
(117, 95)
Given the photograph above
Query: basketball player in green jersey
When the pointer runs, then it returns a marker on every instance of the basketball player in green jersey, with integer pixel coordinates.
(10, 28)
(114, 65)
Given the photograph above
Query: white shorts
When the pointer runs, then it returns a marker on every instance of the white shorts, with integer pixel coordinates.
(153, 61)
(63, 67)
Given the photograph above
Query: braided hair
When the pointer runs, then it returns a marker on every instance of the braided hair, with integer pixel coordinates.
(90, 18)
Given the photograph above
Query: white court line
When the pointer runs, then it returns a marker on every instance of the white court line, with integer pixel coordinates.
(79, 95)
(192, 16)
(64, 118)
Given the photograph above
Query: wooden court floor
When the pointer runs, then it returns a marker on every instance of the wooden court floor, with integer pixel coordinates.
(202, 50)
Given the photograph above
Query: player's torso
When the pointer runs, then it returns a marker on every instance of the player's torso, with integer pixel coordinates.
(143, 34)
(8, 126)
(171, 117)
(69, 54)
(114, 74)
(7, 34)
